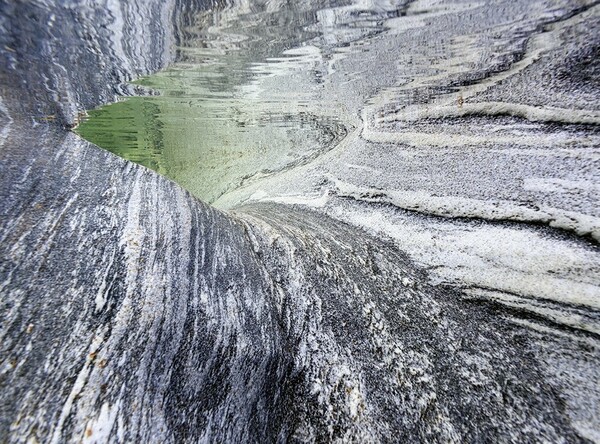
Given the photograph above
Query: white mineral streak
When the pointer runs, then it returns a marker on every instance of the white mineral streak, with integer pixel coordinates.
(5, 122)
(76, 390)
(458, 207)
(432, 277)
(98, 430)
(117, 27)
(513, 260)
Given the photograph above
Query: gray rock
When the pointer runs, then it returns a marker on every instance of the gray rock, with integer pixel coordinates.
(132, 312)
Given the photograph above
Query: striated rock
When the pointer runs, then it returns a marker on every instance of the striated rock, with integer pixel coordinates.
(130, 310)
(434, 277)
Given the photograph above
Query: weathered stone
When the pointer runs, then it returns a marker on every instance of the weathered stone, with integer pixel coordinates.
(452, 298)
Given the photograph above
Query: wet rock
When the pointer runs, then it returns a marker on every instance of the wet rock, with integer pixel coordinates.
(395, 288)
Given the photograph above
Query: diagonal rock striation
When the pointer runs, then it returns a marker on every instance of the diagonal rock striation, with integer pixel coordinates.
(377, 291)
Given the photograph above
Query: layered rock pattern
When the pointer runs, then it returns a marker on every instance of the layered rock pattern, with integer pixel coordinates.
(433, 278)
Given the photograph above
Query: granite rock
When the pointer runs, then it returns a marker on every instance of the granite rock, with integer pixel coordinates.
(452, 296)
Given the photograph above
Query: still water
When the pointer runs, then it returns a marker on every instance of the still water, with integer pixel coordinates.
(245, 97)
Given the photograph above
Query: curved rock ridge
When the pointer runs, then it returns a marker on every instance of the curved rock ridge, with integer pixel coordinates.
(130, 310)
(399, 290)
(388, 357)
(475, 126)
(72, 56)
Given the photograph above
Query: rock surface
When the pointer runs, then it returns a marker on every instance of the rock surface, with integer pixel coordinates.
(433, 278)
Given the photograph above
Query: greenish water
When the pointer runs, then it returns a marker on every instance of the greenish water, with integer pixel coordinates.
(233, 109)
(130, 128)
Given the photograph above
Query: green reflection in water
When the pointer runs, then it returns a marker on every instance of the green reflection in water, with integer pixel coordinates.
(209, 141)
(130, 128)
(232, 110)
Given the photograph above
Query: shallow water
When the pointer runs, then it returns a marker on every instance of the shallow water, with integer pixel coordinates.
(410, 186)
(240, 102)
(369, 106)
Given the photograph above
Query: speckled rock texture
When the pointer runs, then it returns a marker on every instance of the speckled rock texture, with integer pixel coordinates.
(434, 278)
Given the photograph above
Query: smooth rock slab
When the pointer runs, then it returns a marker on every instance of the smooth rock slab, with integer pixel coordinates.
(131, 312)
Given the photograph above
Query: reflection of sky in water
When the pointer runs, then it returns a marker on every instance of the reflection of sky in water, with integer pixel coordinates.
(245, 98)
